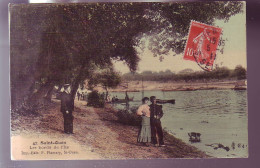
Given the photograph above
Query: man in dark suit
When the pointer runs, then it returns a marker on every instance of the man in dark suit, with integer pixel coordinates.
(156, 127)
(67, 106)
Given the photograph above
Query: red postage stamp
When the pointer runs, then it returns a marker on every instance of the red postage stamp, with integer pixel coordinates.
(202, 44)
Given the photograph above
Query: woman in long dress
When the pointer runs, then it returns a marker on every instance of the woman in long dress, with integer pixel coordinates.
(144, 135)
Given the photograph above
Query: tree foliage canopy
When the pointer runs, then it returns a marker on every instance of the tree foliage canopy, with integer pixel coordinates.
(65, 43)
(107, 78)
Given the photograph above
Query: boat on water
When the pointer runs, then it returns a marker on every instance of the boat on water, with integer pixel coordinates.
(133, 90)
(167, 90)
(240, 85)
(186, 89)
(121, 100)
(179, 89)
(159, 101)
(239, 88)
(171, 101)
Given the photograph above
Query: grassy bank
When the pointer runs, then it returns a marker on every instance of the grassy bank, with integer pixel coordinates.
(128, 127)
(100, 132)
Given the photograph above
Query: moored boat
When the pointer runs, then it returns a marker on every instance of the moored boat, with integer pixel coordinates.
(171, 101)
(239, 88)
(121, 100)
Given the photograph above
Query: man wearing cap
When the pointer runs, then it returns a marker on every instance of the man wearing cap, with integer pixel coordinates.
(156, 127)
(67, 106)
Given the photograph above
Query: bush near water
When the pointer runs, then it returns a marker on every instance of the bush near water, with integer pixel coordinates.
(129, 117)
(96, 99)
(125, 116)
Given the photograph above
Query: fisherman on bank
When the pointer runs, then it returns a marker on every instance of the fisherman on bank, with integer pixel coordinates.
(127, 99)
(67, 106)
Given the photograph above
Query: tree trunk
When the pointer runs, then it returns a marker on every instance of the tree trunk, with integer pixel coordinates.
(106, 93)
(37, 99)
(49, 94)
(21, 90)
(76, 82)
(75, 85)
(59, 89)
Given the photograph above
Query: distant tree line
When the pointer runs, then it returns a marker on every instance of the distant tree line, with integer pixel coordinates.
(189, 75)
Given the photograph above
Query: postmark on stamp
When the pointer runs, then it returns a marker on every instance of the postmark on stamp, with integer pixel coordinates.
(202, 44)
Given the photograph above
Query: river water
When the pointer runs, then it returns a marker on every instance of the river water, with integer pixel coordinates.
(219, 115)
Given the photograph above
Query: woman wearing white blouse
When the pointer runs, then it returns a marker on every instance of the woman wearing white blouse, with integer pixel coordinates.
(144, 135)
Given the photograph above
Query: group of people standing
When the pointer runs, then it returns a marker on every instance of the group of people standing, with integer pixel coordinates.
(82, 95)
(151, 129)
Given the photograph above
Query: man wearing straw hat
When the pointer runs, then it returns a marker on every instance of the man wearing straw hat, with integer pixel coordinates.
(67, 106)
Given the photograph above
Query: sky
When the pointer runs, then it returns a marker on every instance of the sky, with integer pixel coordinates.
(234, 51)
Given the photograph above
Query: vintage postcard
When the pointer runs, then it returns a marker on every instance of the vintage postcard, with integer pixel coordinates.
(128, 80)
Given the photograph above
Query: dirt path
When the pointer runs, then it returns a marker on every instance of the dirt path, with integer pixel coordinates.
(99, 134)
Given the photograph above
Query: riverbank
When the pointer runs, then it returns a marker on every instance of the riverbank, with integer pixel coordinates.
(136, 86)
(97, 133)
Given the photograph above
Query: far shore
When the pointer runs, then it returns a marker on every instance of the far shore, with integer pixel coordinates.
(137, 86)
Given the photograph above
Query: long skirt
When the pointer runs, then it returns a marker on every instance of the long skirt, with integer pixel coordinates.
(145, 130)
